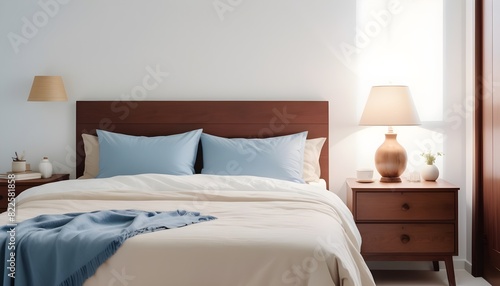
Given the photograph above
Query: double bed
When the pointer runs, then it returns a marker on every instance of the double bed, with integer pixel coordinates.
(267, 231)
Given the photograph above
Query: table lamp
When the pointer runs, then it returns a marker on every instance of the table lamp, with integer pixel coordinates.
(390, 105)
(48, 88)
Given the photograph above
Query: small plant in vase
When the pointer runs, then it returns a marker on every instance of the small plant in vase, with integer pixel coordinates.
(429, 171)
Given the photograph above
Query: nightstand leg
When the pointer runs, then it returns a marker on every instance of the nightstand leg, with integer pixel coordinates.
(435, 264)
(450, 271)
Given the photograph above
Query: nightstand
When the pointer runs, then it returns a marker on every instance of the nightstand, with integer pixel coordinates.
(407, 221)
(24, 185)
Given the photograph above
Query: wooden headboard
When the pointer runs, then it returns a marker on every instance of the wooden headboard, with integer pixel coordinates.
(244, 119)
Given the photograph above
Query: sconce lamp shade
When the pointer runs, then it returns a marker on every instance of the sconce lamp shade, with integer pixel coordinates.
(48, 88)
(390, 105)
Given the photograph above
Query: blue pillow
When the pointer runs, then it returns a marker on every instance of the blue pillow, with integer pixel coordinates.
(122, 154)
(277, 157)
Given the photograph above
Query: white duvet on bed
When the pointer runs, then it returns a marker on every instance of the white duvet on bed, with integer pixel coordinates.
(267, 232)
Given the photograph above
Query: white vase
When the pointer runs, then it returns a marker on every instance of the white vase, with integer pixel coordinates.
(45, 168)
(429, 172)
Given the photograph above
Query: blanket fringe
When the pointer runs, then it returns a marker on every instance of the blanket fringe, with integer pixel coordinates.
(87, 270)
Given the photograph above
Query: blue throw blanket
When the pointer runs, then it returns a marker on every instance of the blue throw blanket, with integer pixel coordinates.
(67, 249)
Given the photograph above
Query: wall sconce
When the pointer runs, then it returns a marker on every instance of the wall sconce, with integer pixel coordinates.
(48, 88)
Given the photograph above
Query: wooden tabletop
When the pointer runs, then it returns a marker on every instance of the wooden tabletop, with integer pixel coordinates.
(36, 182)
(376, 184)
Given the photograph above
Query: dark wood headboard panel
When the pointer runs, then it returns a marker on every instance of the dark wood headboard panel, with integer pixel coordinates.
(245, 119)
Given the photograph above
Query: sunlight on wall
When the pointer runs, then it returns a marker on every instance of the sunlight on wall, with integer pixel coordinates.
(401, 42)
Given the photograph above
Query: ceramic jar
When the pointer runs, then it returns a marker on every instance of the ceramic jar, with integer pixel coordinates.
(429, 172)
(45, 168)
(18, 166)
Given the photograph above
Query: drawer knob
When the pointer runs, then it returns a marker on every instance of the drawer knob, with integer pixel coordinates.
(405, 238)
(405, 207)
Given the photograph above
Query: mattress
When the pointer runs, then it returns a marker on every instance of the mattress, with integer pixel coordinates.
(267, 231)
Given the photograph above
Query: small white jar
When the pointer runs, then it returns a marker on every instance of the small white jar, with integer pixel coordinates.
(18, 166)
(45, 168)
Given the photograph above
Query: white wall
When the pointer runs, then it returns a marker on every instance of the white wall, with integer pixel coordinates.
(211, 50)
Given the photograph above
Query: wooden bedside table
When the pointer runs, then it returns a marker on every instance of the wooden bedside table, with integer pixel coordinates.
(24, 185)
(407, 221)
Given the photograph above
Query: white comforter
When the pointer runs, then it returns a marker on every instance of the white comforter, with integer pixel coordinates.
(267, 232)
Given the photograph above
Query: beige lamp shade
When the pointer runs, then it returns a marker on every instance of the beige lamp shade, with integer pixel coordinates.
(390, 105)
(48, 88)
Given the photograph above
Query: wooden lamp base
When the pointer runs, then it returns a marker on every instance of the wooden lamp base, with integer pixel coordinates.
(390, 180)
(390, 159)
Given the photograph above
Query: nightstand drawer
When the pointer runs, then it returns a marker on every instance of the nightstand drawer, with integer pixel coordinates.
(407, 238)
(409, 206)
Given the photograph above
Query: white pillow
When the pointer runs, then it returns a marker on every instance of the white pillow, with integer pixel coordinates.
(312, 151)
(91, 147)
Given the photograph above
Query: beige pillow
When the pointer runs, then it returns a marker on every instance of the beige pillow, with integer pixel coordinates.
(312, 151)
(91, 147)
